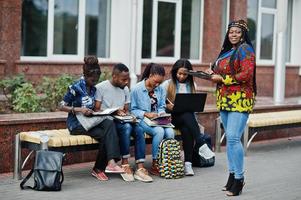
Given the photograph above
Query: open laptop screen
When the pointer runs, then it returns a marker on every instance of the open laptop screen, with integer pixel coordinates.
(189, 102)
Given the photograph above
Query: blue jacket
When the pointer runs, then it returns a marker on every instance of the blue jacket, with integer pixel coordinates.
(140, 100)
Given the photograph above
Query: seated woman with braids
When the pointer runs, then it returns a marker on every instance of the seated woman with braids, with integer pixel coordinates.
(148, 100)
(80, 98)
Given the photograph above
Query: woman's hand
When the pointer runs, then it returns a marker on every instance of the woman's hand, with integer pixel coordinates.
(86, 111)
(169, 106)
(151, 115)
(209, 71)
(216, 78)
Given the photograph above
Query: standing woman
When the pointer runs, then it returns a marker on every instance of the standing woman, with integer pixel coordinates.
(80, 99)
(186, 122)
(148, 100)
(234, 72)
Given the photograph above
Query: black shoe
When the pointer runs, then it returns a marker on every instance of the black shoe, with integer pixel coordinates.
(229, 182)
(236, 188)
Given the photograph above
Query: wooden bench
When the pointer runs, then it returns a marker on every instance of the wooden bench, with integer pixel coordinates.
(260, 122)
(58, 140)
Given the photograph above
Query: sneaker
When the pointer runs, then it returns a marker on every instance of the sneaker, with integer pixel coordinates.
(188, 169)
(128, 173)
(154, 170)
(142, 175)
(114, 169)
(100, 175)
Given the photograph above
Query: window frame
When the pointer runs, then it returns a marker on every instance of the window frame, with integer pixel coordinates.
(50, 55)
(178, 23)
(225, 18)
(269, 11)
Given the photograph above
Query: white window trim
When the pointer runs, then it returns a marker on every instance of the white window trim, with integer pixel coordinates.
(261, 11)
(50, 56)
(177, 39)
(168, 60)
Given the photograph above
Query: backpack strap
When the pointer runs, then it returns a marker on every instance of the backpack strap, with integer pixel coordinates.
(25, 180)
(62, 177)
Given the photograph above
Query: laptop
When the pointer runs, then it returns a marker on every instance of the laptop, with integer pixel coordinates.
(189, 102)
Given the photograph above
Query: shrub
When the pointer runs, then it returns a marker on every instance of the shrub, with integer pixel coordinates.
(25, 99)
(53, 90)
(9, 85)
(105, 74)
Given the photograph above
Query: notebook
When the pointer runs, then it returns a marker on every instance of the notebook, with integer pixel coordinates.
(191, 102)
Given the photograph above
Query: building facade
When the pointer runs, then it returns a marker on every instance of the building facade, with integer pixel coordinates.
(51, 37)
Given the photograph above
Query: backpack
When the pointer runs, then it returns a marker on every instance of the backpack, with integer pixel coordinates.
(47, 170)
(202, 153)
(170, 164)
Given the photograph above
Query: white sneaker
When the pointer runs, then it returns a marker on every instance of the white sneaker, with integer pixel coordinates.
(128, 173)
(188, 169)
(142, 175)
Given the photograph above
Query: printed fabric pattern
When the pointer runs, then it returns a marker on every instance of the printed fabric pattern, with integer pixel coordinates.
(77, 96)
(236, 93)
(169, 159)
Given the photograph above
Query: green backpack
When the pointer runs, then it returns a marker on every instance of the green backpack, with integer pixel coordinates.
(170, 164)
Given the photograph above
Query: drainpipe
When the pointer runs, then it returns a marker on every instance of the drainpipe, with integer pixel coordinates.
(279, 76)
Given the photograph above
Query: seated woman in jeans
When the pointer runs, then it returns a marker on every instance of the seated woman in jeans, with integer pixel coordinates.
(181, 82)
(80, 98)
(148, 100)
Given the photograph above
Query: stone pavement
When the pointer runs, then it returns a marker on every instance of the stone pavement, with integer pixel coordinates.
(273, 171)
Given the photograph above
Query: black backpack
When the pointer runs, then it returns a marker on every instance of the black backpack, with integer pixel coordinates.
(202, 152)
(47, 170)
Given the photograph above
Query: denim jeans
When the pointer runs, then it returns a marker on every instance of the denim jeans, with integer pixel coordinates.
(125, 131)
(158, 133)
(234, 124)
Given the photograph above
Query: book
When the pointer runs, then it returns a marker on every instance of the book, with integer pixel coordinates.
(163, 120)
(154, 123)
(126, 118)
(162, 116)
(199, 74)
(108, 111)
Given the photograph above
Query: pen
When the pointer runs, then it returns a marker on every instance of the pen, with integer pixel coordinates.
(169, 101)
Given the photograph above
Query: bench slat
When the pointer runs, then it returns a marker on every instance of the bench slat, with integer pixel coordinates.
(62, 138)
(274, 118)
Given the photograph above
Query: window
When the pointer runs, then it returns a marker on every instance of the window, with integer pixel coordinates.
(97, 28)
(34, 27)
(225, 18)
(65, 28)
(173, 35)
(262, 19)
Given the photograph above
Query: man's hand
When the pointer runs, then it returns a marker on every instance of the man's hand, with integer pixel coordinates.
(120, 112)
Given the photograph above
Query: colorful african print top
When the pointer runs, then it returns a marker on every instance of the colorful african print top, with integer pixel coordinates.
(236, 92)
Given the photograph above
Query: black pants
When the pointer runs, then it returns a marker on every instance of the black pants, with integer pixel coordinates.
(105, 133)
(187, 124)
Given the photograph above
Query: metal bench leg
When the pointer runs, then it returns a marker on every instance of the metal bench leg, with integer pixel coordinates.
(218, 133)
(18, 160)
(246, 137)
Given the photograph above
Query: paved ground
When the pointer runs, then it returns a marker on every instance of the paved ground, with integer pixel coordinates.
(272, 172)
